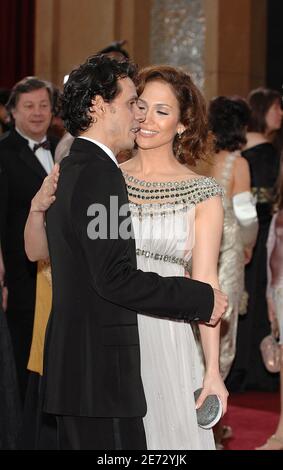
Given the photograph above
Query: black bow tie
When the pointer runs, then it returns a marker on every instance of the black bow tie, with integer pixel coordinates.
(45, 145)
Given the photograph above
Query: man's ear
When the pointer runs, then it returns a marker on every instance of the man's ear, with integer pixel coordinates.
(98, 106)
(12, 111)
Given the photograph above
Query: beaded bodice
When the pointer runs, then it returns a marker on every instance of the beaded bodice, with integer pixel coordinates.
(161, 196)
(163, 216)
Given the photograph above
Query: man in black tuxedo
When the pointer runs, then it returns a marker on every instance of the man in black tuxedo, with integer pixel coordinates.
(92, 358)
(25, 160)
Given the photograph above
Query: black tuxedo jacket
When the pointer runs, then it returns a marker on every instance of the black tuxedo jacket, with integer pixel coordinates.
(92, 356)
(21, 176)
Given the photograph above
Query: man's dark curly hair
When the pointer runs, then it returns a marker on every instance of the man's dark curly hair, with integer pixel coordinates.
(227, 119)
(99, 75)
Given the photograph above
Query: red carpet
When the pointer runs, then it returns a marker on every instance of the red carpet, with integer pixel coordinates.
(253, 417)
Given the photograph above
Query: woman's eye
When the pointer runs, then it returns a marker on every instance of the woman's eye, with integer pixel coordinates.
(162, 112)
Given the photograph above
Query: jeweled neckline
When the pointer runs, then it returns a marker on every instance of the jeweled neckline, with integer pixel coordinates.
(146, 183)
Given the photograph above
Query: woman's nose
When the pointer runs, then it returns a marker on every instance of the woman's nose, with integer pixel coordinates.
(140, 114)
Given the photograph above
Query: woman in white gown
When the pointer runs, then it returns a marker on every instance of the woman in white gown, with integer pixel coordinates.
(177, 218)
(170, 365)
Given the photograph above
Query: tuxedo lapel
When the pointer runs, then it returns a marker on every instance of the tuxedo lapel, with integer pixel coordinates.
(31, 161)
(26, 155)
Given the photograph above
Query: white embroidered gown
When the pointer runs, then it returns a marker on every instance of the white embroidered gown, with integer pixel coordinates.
(163, 224)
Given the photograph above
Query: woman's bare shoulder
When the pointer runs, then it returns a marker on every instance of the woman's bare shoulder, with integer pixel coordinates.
(241, 165)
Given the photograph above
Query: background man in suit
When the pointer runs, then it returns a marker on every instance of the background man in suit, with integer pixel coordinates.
(92, 359)
(25, 160)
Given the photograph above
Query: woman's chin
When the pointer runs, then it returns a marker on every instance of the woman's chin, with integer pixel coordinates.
(145, 144)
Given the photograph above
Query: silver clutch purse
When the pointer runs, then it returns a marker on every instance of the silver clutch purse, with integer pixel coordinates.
(210, 411)
(270, 352)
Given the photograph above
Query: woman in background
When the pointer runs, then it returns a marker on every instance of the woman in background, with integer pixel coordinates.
(248, 371)
(274, 295)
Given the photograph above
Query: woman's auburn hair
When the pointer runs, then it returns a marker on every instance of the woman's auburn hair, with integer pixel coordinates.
(196, 142)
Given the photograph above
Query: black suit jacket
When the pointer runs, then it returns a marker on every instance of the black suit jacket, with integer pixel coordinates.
(21, 176)
(92, 356)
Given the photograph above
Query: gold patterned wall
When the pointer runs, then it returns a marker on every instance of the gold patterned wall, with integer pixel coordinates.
(178, 35)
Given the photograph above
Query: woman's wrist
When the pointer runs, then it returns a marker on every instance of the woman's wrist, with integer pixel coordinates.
(212, 370)
(35, 207)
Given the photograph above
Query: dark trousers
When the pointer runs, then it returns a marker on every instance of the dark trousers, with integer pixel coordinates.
(10, 403)
(83, 433)
(39, 430)
(20, 324)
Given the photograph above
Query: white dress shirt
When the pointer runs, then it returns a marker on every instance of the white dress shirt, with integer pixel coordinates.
(44, 156)
(103, 147)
